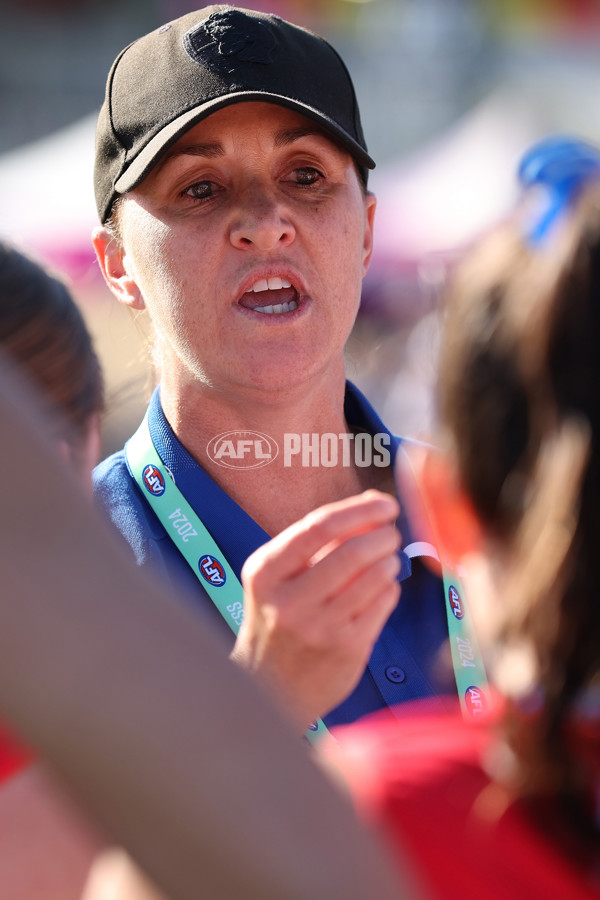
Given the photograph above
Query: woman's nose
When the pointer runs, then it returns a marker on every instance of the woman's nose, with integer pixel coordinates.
(261, 221)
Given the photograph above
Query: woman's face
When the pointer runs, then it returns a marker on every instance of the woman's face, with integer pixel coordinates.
(248, 244)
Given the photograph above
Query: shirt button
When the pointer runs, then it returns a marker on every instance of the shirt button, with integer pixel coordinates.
(395, 674)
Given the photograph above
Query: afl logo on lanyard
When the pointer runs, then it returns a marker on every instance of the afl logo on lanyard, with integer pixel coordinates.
(455, 602)
(153, 480)
(212, 570)
(475, 701)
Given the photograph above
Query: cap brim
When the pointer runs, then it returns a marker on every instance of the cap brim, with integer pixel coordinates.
(145, 161)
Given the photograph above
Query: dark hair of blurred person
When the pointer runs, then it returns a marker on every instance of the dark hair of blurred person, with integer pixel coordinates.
(47, 847)
(521, 401)
(510, 807)
(44, 332)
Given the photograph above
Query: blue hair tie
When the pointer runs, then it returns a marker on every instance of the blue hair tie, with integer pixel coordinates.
(562, 166)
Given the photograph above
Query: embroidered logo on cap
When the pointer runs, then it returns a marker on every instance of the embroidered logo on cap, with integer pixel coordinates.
(227, 34)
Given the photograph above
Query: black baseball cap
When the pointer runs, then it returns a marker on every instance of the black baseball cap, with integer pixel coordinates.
(169, 80)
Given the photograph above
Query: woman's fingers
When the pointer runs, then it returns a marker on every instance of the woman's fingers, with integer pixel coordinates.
(292, 551)
(355, 558)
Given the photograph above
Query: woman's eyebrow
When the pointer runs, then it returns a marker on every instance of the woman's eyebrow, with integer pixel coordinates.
(289, 135)
(210, 150)
(214, 149)
(207, 150)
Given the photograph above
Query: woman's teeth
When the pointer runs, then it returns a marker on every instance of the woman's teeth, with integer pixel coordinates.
(273, 284)
(270, 284)
(277, 308)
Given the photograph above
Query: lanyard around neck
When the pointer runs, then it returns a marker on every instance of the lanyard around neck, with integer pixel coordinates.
(192, 538)
(209, 564)
(467, 660)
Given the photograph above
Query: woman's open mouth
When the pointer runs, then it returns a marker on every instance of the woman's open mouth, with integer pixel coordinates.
(271, 296)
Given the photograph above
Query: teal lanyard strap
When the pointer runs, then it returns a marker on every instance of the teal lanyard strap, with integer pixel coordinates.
(192, 538)
(469, 669)
(467, 660)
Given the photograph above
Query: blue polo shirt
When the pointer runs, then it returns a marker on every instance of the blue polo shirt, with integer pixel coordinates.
(408, 659)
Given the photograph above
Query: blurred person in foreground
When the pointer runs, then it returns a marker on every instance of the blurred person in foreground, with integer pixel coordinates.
(200, 779)
(231, 183)
(46, 847)
(508, 807)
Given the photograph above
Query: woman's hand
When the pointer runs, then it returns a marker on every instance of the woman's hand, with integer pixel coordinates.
(316, 598)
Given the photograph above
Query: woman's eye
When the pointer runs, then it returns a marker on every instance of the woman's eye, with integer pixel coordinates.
(201, 190)
(307, 175)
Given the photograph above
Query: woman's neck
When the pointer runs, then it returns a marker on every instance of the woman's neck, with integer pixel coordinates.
(268, 451)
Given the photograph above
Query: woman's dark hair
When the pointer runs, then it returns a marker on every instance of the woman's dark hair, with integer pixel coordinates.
(43, 331)
(518, 394)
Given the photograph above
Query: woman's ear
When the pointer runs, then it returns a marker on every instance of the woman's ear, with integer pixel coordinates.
(115, 267)
(455, 526)
(370, 206)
